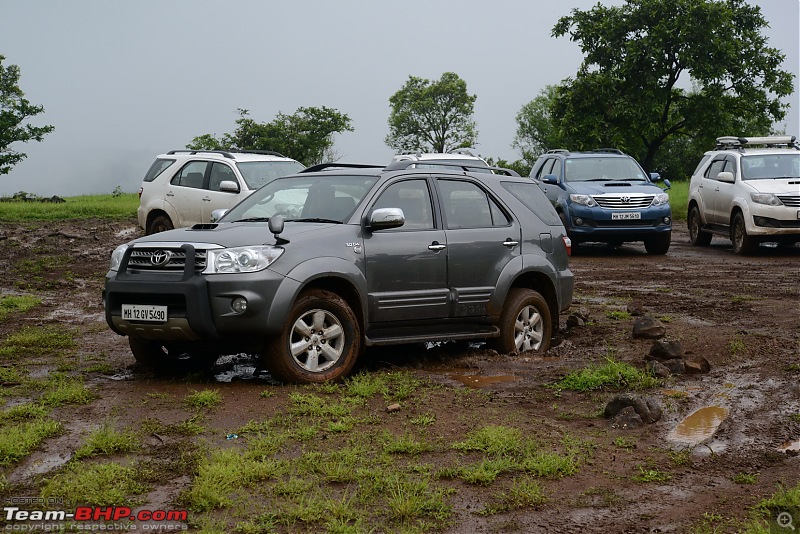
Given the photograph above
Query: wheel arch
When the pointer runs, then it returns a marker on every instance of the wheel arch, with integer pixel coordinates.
(542, 284)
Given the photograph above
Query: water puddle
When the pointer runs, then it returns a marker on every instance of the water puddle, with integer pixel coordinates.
(699, 425)
(790, 446)
(478, 381)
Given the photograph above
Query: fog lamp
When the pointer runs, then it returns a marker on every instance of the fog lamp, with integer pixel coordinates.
(239, 305)
(667, 220)
(578, 221)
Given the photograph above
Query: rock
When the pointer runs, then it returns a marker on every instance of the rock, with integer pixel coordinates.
(646, 408)
(657, 369)
(635, 309)
(697, 365)
(574, 320)
(676, 366)
(627, 418)
(648, 327)
(665, 350)
(393, 408)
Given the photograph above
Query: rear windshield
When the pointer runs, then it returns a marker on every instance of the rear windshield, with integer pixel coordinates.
(158, 166)
(534, 200)
(259, 173)
(770, 166)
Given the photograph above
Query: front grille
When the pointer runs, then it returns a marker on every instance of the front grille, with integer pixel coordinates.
(142, 259)
(793, 201)
(623, 201)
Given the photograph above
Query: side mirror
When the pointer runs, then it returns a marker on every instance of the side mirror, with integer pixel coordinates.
(550, 179)
(229, 186)
(655, 177)
(383, 218)
(276, 223)
(667, 185)
(726, 176)
(216, 215)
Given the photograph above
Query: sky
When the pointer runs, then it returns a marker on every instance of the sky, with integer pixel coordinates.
(125, 81)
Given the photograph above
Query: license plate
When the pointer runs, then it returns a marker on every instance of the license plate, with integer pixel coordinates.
(626, 216)
(144, 312)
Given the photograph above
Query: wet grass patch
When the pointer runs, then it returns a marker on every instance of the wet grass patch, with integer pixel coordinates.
(37, 341)
(10, 304)
(612, 375)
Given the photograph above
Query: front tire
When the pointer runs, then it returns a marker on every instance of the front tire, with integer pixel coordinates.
(320, 340)
(658, 244)
(525, 323)
(742, 243)
(697, 236)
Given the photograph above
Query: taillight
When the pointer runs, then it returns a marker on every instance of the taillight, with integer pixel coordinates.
(141, 190)
(567, 245)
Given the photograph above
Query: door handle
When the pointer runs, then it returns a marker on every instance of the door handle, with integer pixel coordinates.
(170, 194)
(206, 199)
(435, 246)
(510, 243)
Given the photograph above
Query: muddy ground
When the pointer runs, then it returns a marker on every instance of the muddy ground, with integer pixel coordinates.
(740, 313)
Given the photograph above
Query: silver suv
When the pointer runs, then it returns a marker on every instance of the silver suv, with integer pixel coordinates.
(183, 187)
(747, 189)
(315, 266)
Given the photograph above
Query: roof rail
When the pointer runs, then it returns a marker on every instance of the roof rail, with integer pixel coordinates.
(462, 151)
(333, 164)
(558, 151)
(730, 141)
(262, 152)
(406, 163)
(607, 151)
(225, 153)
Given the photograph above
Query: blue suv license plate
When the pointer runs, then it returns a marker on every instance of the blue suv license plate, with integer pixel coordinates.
(626, 216)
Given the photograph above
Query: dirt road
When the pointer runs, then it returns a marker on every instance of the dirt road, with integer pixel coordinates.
(739, 313)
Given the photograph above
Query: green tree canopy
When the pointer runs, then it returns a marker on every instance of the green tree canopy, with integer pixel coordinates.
(14, 110)
(630, 91)
(432, 116)
(306, 135)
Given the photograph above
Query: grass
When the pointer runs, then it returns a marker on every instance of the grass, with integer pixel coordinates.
(611, 375)
(618, 315)
(107, 440)
(19, 440)
(17, 304)
(97, 484)
(679, 199)
(650, 475)
(80, 207)
(208, 398)
(37, 341)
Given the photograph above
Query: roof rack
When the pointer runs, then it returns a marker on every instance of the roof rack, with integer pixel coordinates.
(333, 164)
(228, 153)
(558, 151)
(731, 142)
(406, 163)
(607, 151)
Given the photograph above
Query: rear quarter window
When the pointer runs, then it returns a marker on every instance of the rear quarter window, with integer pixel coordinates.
(534, 200)
(158, 166)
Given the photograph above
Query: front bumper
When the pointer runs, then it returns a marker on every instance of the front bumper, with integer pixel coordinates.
(773, 220)
(596, 223)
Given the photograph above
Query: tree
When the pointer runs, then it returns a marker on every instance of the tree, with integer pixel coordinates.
(306, 135)
(537, 131)
(628, 93)
(432, 116)
(14, 110)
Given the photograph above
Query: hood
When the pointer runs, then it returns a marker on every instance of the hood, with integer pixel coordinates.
(600, 188)
(235, 234)
(784, 186)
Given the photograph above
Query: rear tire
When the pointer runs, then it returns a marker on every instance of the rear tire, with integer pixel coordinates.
(697, 236)
(160, 356)
(161, 223)
(658, 244)
(525, 323)
(742, 243)
(320, 340)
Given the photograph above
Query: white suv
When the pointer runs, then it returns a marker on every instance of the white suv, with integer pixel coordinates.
(183, 187)
(748, 189)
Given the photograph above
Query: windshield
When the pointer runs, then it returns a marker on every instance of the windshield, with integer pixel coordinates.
(602, 169)
(259, 173)
(771, 166)
(326, 197)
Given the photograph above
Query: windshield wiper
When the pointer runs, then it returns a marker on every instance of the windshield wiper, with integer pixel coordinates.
(601, 180)
(315, 219)
(254, 219)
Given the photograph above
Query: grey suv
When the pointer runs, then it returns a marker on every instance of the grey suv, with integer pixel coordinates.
(313, 267)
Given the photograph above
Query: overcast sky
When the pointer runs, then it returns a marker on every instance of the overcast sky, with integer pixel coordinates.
(125, 81)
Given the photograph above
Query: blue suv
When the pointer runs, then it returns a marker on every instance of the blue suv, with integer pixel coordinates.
(605, 196)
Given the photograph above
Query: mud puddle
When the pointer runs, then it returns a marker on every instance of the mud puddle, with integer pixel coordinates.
(699, 426)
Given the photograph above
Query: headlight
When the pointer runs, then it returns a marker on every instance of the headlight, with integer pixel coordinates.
(116, 257)
(583, 200)
(766, 198)
(241, 259)
(660, 199)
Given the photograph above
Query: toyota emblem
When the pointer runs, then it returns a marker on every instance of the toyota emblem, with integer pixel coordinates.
(625, 199)
(160, 257)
